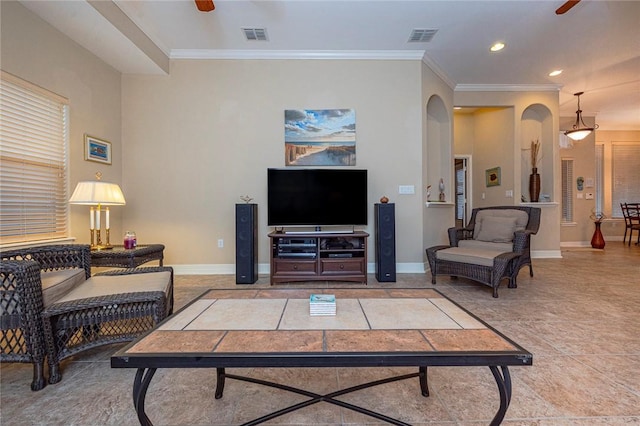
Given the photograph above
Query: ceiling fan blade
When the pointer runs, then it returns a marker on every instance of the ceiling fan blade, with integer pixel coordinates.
(565, 7)
(205, 5)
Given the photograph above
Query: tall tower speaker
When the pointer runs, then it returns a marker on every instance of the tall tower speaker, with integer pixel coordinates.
(385, 223)
(246, 243)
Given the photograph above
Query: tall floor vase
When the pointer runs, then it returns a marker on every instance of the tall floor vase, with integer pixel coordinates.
(534, 185)
(597, 241)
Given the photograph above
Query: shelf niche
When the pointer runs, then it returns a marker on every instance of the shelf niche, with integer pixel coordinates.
(536, 123)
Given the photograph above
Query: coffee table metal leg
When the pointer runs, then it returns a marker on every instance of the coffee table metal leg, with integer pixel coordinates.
(140, 386)
(424, 386)
(503, 380)
(330, 397)
(219, 382)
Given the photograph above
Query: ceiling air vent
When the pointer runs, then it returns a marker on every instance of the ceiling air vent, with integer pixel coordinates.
(255, 34)
(419, 35)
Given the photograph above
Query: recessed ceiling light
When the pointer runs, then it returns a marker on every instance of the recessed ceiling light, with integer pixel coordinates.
(497, 47)
(457, 107)
(555, 73)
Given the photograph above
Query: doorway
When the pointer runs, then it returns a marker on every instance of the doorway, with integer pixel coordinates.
(462, 167)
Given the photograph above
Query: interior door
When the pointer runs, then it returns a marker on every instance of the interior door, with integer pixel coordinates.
(461, 191)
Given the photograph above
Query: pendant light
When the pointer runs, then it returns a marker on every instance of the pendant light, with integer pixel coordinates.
(579, 132)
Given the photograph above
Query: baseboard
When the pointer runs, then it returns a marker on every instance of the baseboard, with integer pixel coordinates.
(263, 268)
(205, 269)
(546, 254)
(575, 244)
(401, 268)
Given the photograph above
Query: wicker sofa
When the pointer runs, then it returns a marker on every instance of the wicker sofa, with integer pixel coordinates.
(51, 307)
(494, 246)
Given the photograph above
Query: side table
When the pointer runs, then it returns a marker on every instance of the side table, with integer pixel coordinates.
(128, 258)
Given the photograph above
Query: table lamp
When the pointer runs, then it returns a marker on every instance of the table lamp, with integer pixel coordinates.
(97, 193)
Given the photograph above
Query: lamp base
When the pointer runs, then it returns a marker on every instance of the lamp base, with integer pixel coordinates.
(101, 247)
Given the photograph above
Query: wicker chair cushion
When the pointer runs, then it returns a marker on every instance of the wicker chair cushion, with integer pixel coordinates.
(56, 284)
(472, 256)
(484, 245)
(522, 218)
(120, 284)
(497, 229)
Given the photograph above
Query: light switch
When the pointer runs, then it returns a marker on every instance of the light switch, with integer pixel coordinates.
(580, 195)
(406, 189)
(509, 193)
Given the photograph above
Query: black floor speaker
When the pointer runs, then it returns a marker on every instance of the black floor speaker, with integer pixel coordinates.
(246, 243)
(385, 222)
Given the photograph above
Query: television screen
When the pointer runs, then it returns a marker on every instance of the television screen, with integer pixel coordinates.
(316, 197)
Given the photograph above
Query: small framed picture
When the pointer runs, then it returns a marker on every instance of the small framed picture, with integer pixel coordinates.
(493, 176)
(97, 150)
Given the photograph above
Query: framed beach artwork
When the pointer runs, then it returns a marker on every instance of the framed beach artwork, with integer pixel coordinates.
(97, 150)
(320, 137)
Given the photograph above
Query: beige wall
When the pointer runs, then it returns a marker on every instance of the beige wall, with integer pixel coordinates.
(188, 145)
(38, 53)
(195, 141)
(580, 231)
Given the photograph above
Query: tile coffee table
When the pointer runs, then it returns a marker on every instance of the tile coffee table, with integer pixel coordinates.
(272, 328)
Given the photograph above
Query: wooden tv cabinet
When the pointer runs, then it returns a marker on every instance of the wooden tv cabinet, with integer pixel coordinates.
(317, 256)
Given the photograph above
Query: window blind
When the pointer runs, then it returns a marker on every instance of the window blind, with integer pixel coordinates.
(33, 162)
(567, 190)
(625, 176)
(460, 194)
(599, 178)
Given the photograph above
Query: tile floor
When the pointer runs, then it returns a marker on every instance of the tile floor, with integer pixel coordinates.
(579, 316)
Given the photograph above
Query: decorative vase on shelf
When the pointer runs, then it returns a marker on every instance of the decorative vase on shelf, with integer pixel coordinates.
(534, 185)
(597, 241)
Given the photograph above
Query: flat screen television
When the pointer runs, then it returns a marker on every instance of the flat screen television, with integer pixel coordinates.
(316, 197)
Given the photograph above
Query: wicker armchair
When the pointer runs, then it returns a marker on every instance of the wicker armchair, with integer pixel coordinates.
(488, 260)
(21, 301)
(111, 307)
(77, 323)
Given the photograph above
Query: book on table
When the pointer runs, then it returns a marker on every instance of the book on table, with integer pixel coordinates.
(322, 304)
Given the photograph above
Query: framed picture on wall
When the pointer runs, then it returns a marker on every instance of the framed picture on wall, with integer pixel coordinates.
(319, 137)
(97, 150)
(493, 176)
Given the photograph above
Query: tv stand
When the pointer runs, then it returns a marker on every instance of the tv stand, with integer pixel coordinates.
(318, 256)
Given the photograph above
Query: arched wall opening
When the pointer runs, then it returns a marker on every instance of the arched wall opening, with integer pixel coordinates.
(438, 164)
(536, 125)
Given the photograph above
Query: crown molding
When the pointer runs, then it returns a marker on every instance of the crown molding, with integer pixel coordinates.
(380, 55)
(438, 71)
(508, 87)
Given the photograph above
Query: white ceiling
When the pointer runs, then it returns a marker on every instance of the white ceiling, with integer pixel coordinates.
(597, 43)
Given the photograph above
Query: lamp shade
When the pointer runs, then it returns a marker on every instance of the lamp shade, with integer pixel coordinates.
(579, 134)
(97, 192)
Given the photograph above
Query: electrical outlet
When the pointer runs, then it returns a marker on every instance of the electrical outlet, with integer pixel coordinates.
(220, 243)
